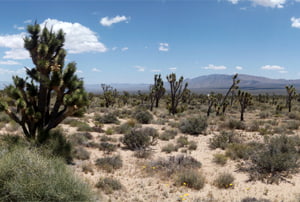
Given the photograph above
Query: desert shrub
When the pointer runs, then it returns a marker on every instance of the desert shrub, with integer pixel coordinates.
(235, 124)
(107, 118)
(81, 126)
(253, 199)
(9, 141)
(126, 127)
(174, 124)
(108, 184)
(264, 115)
(182, 141)
(173, 164)
(239, 151)
(4, 118)
(143, 116)
(57, 145)
(81, 153)
(193, 125)
(292, 125)
(109, 131)
(25, 175)
(223, 140)
(280, 154)
(224, 180)
(105, 138)
(294, 115)
(169, 148)
(253, 126)
(142, 153)
(220, 159)
(107, 147)
(168, 135)
(190, 178)
(110, 163)
(192, 145)
(79, 139)
(140, 138)
(87, 168)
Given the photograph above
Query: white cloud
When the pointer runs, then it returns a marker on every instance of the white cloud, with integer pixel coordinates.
(155, 70)
(106, 21)
(27, 21)
(12, 72)
(163, 47)
(17, 54)
(214, 67)
(79, 39)
(9, 62)
(79, 71)
(140, 68)
(283, 72)
(114, 48)
(173, 69)
(96, 70)
(124, 49)
(234, 1)
(18, 28)
(295, 22)
(12, 41)
(272, 67)
(265, 3)
(239, 68)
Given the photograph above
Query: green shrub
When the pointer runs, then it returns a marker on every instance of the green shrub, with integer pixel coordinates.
(125, 127)
(169, 148)
(107, 147)
(27, 176)
(223, 140)
(235, 124)
(168, 135)
(81, 153)
(109, 163)
(264, 115)
(220, 159)
(108, 184)
(105, 138)
(109, 131)
(192, 145)
(280, 154)
(140, 138)
(143, 116)
(224, 180)
(292, 125)
(182, 141)
(239, 151)
(191, 178)
(107, 119)
(79, 139)
(253, 199)
(193, 125)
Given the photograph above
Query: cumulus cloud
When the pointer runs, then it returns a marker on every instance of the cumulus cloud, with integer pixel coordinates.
(283, 72)
(163, 47)
(140, 68)
(12, 72)
(79, 39)
(124, 49)
(9, 62)
(173, 69)
(155, 70)
(106, 21)
(295, 22)
(27, 21)
(19, 27)
(272, 67)
(96, 70)
(265, 3)
(239, 68)
(214, 67)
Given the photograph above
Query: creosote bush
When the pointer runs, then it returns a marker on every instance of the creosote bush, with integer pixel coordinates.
(193, 125)
(223, 140)
(110, 163)
(108, 184)
(140, 138)
(143, 116)
(32, 177)
(220, 159)
(190, 178)
(224, 180)
(107, 118)
(168, 135)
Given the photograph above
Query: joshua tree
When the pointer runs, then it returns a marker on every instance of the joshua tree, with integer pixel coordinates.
(291, 94)
(157, 91)
(211, 101)
(49, 93)
(177, 91)
(109, 94)
(244, 100)
(231, 90)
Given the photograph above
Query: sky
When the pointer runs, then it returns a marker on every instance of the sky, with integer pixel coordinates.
(129, 41)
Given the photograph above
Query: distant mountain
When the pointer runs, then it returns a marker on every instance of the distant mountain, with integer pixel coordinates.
(255, 84)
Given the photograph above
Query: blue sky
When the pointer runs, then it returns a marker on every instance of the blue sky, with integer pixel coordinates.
(129, 41)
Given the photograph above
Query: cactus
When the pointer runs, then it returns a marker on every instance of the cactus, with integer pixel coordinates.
(291, 94)
(244, 100)
(49, 93)
(157, 91)
(177, 91)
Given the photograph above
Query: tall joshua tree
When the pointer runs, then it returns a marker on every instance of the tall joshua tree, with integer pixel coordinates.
(157, 91)
(109, 94)
(177, 91)
(244, 100)
(291, 93)
(49, 93)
